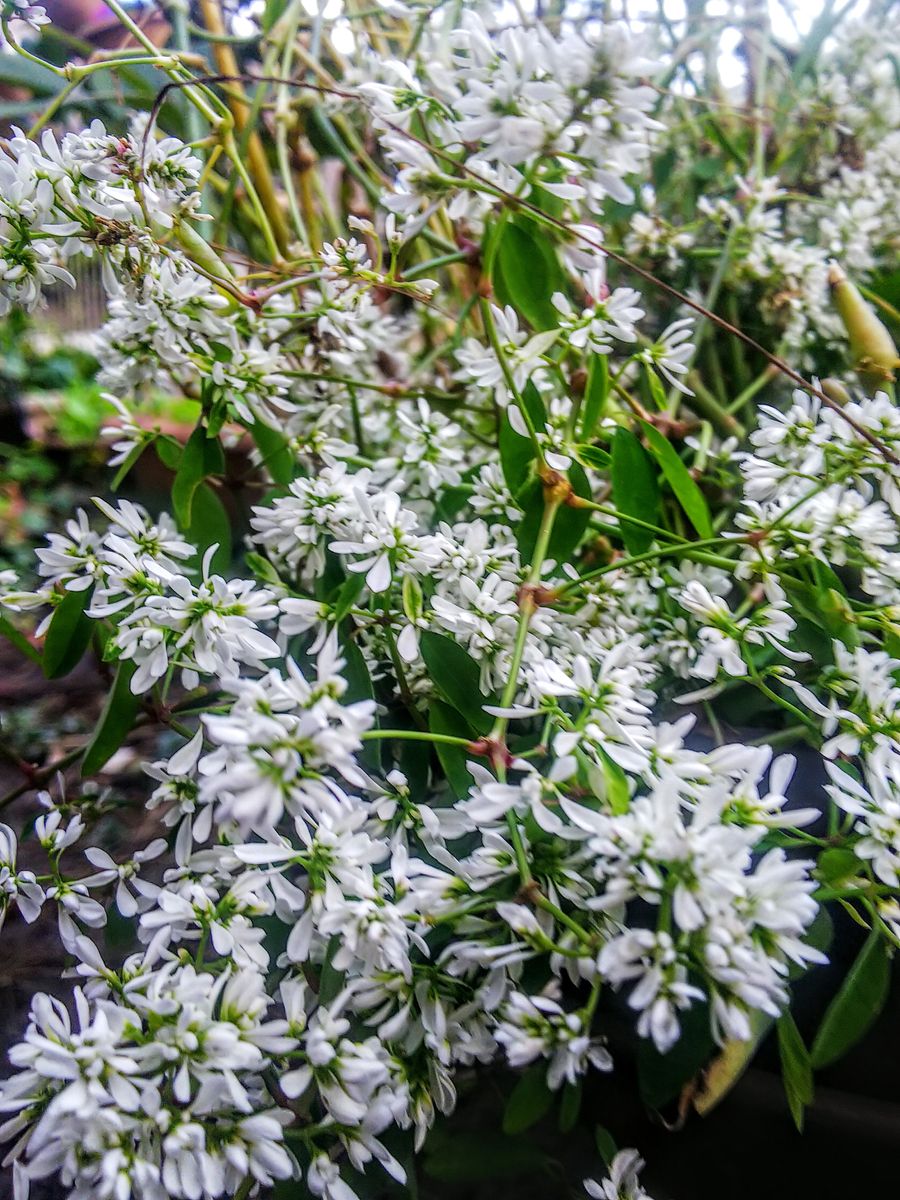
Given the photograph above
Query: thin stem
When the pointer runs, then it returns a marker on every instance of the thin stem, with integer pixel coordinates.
(527, 609)
(686, 550)
(415, 735)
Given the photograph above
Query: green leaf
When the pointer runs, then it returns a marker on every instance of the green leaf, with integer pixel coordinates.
(18, 71)
(618, 794)
(115, 722)
(516, 456)
(69, 634)
(606, 1144)
(128, 462)
(202, 456)
(262, 568)
(570, 523)
(635, 489)
(444, 719)
(657, 391)
(680, 480)
(210, 524)
(527, 273)
(355, 671)
(277, 456)
(570, 1106)
(838, 864)
(169, 452)
(529, 1100)
(596, 394)
(857, 1004)
(516, 451)
(592, 456)
(457, 677)
(451, 500)
(796, 1068)
(330, 980)
(359, 687)
(347, 595)
(17, 639)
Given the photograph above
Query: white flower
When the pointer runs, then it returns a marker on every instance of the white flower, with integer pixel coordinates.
(622, 1182)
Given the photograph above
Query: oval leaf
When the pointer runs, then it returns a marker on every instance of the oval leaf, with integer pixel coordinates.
(635, 489)
(529, 1100)
(457, 678)
(202, 456)
(857, 1004)
(596, 393)
(115, 722)
(680, 480)
(69, 634)
(527, 273)
(796, 1068)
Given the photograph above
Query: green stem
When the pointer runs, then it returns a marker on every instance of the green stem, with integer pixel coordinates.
(415, 735)
(526, 611)
(685, 549)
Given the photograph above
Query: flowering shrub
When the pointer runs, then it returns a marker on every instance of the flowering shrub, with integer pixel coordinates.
(477, 736)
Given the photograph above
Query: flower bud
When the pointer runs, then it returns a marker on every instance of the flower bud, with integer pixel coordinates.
(870, 342)
(835, 390)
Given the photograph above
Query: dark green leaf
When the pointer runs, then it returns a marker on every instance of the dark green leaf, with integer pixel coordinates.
(169, 452)
(527, 273)
(359, 687)
(330, 980)
(457, 678)
(596, 393)
(444, 719)
(568, 527)
(570, 1106)
(277, 456)
(796, 1069)
(838, 864)
(116, 721)
(516, 451)
(857, 1004)
(18, 71)
(606, 1144)
(529, 1100)
(209, 525)
(635, 489)
(69, 634)
(516, 456)
(128, 462)
(451, 500)
(348, 594)
(202, 456)
(679, 479)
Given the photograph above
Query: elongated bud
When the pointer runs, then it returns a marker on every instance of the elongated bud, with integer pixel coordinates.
(835, 390)
(870, 343)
